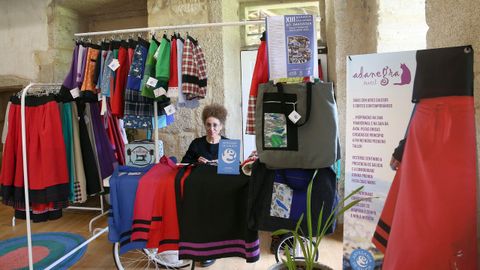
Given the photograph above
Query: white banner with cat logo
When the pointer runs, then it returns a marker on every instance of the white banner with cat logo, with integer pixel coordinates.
(379, 91)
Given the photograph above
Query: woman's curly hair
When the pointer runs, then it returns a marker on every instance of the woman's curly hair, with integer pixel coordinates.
(215, 110)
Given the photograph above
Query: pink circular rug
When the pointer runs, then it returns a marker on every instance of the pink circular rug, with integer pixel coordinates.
(46, 249)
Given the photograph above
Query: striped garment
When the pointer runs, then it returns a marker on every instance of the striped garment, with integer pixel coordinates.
(216, 206)
(123, 186)
(194, 70)
(260, 75)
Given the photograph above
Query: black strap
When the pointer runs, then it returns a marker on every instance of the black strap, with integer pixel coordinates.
(309, 101)
(282, 98)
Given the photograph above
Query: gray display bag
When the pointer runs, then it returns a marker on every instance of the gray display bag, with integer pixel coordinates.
(312, 142)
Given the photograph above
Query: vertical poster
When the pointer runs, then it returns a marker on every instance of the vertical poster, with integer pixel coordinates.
(229, 157)
(292, 46)
(379, 93)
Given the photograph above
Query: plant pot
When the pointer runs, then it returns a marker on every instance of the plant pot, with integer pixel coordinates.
(300, 266)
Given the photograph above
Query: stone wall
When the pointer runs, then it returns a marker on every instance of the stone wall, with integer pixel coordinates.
(222, 56)
(231, 70)
(63, 22)
(401, 25)
(125, 19)
(456, 23)
(24, 35)
(351, 29)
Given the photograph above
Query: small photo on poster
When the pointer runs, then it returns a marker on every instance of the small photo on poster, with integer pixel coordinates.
(299, 50)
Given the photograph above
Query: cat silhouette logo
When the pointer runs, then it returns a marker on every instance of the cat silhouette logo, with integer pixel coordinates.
(406, 76)
(229, 155)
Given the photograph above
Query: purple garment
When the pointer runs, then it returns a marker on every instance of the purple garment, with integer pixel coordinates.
(81, 72)
(106, 156)
(70, 80)
(79, 60)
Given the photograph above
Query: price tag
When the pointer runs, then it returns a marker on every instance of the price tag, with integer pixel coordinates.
(294, 117)
(75, 92)
(152, 82)
(172, 92)
(114, 64)
(159, 92)
(170, 109)
(99, 96)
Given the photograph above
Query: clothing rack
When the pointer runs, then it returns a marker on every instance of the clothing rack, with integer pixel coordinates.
(24, 151)
(25, 178)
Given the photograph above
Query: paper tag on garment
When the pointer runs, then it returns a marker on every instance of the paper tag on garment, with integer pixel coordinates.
(172, 92)
(170, 109)
(159, 92)
(152, 82)
(114, 64)
(99, 96)
(294, 117)
(104, 105)
(75, 92)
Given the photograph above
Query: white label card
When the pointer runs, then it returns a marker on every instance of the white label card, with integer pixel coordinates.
(114, 64)
(159, 92)
(99, 95)
(170, 109)
(152, 82)
(104, 105)
(75, 92)
(294, 117)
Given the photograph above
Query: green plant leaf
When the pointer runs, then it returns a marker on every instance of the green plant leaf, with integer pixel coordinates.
(281, 231)
(306, 244)
(309, 216)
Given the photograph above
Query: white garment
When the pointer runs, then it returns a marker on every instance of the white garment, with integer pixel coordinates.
(5, 124)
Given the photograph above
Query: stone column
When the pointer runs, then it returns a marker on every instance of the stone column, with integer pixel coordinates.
(351, 29)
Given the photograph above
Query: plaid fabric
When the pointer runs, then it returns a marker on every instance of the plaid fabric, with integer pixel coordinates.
(194, 70)
(77, 189)
(250, 129)
(136, 104)
(260, 75)
(202, 74)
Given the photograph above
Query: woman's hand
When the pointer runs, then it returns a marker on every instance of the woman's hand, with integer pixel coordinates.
(202, 160)
(394, 163)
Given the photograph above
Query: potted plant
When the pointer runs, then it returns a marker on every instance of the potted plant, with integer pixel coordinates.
(310, 242)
